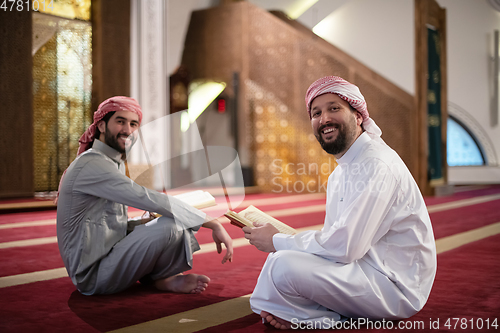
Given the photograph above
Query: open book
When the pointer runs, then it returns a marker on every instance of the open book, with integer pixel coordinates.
(246, 217)
(198, 199)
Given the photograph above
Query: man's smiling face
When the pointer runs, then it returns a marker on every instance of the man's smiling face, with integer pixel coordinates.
(118, 129)
(335, 124)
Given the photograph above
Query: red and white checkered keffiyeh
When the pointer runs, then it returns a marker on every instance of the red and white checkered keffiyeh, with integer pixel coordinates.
(349, 93)
(117, 103)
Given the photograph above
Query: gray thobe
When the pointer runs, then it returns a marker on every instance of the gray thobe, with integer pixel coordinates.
(92, 226)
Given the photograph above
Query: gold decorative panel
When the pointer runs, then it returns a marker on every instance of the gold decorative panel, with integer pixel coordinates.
(61, 95)
(45, 116)
(70, 9)
(287, 157)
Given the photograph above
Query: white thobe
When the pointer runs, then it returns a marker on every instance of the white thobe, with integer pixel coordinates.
(375, 256)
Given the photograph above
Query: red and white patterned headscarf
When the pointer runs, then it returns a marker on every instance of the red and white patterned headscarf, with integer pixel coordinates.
(117, 103)
(349, 93)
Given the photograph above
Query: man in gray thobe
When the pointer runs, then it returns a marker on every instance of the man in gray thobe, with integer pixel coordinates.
(99, 255)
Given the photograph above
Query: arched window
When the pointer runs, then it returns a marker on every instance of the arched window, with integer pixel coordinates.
(462, 148)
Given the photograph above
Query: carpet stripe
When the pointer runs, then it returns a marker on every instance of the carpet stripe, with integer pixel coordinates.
(462, 203)
(211, 315)
(468, 188)
(27, 224)
(452, 242)
(29, 242)
(15, 280)
(196, 319)
(19, 205)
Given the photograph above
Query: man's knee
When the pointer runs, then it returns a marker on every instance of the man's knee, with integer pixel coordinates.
(177, 237)
(286, 271)
(155, 235)
(169, 225)
(164, 226)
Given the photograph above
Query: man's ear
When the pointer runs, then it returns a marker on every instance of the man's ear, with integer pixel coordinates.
(101, 126)
(359, 119)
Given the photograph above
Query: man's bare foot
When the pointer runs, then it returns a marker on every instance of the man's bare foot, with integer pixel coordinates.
(278, 323)
(185, 284)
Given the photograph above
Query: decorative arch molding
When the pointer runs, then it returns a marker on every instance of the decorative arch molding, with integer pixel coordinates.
(476, 130)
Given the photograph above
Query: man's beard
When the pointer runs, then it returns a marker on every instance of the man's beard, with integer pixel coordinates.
(345, 135)
(112, 141)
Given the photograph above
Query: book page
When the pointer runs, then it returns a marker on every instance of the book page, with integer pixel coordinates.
(252, 214)
(198, 199)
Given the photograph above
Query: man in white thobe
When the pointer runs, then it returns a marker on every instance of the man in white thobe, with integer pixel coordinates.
(375, 257)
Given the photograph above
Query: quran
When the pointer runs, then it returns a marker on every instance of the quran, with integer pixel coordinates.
(198, 199)
(246, 217)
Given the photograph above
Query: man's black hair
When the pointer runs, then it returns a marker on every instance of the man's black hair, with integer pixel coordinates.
(108, 116)
(106, 119)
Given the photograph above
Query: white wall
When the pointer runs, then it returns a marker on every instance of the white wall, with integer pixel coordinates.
(379, 33)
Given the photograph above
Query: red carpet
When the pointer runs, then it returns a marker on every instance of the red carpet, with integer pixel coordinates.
(467, 284)
(56, 304)
(25, 259)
